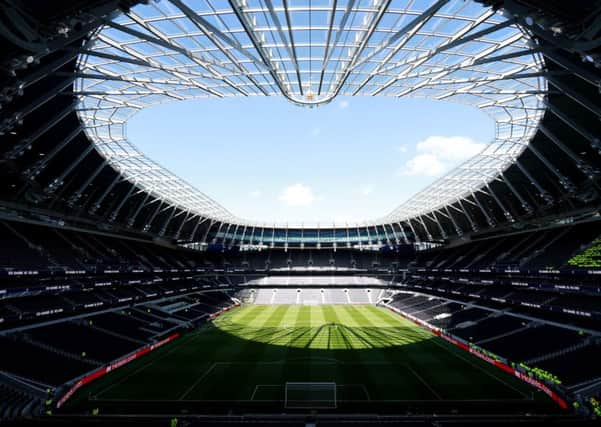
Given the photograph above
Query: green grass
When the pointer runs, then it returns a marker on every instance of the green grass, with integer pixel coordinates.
(249, 353)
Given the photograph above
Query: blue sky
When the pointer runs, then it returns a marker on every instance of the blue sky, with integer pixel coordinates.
(268, 160)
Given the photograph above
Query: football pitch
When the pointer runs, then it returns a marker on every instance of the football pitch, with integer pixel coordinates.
(359, 356)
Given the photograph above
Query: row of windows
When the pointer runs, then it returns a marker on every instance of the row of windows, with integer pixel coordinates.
(280, 236)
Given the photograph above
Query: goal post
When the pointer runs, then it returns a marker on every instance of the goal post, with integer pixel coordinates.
(310, 395)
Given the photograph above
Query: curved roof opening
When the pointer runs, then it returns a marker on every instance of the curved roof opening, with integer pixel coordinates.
(310, 53)
(349, 161)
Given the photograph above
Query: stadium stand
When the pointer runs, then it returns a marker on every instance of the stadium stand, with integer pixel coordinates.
(528, 250)
(52, 367)
(66, 349)
(552, 347)
(313, 296)
(17, 404)
(106, 297)
(574, 365)
(105, 256)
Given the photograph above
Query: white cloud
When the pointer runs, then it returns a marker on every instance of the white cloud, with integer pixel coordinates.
(424, 164)
(437, 154)
(255, 194)
(403, 148)
(297, 195)
(450, 147)
(344, 104)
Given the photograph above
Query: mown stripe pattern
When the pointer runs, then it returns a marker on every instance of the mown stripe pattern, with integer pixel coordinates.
(249, 353)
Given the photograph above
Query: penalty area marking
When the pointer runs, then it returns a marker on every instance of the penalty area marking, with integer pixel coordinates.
(508, 401)
(198, 380)
(424, 382)
(175, 346)
(252, 397)
(490, 374)
(366, 392)
(362, 386)
(319, 361)
(259, 386)
(324, 361)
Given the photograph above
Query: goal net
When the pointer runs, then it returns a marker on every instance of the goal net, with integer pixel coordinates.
(310, 395)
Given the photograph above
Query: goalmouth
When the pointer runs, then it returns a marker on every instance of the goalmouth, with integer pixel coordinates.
(310, 395)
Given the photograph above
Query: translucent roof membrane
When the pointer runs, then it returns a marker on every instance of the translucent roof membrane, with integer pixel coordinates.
(310, 51)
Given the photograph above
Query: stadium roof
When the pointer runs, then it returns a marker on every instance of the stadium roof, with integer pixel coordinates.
(309, 52)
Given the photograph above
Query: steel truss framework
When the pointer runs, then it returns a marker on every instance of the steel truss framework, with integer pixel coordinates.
(309, 52)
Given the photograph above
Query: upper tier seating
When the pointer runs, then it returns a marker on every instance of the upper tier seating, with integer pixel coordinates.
(17, 252)
(46, 247)
(553, 248)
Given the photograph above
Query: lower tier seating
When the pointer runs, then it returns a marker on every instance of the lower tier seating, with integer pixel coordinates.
(55, 353)
(567, 353)
(16, 403)
(533, 342)
(576, 366)
(81, 339)
(41, 365)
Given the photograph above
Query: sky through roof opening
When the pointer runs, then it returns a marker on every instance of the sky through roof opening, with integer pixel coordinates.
(265, 159)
